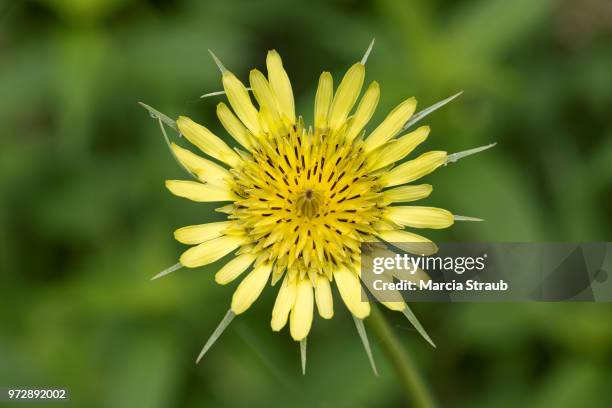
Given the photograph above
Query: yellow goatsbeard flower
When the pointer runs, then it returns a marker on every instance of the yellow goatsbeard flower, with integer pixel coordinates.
(303, 199)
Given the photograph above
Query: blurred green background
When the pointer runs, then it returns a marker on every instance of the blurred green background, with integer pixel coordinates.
(85, 220)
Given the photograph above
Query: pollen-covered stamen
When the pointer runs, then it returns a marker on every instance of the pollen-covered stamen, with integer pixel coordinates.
(307, 201)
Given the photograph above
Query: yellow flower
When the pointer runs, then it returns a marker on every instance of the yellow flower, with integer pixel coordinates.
(302, 199)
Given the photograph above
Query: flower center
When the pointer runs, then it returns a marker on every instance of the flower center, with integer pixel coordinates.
(306, 200)
(309, 202)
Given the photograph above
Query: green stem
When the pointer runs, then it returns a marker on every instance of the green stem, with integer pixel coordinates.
(412, 382)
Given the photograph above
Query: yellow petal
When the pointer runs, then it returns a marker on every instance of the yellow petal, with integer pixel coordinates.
(196, 191)
(234, 268)
(323, 100)
(323, 296)
(364, 111)
(301, 314)
(250, 288)
(267, 121)
(415, 275)
(233, 125)
(284, 303)
(420, 217)
(409, 242)
(351, 293)
(280, 84)
(207, 141)
(346, 95)
(240, 100)
(390, 298)
(400, 148)
(405, 194)
(204, 169)
(196, 234)
(396, 306)
(391, 125)
(210, 251)
(262, 92)
(414, 169)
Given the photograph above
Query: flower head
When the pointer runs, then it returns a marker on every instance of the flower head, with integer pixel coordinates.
(302, 199)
